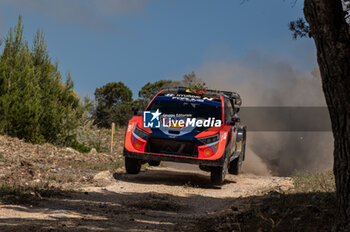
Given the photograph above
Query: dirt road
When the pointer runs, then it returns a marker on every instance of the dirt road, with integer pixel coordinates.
(158, 199)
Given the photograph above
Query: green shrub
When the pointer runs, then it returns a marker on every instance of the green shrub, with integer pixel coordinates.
(81, 147)
(35, 104)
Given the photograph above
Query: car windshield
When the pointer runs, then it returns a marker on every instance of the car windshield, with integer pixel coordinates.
(194, 109)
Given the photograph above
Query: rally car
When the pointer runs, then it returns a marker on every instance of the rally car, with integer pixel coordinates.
(180, 125)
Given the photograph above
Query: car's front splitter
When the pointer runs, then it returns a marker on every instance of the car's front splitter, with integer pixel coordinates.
(173, 158)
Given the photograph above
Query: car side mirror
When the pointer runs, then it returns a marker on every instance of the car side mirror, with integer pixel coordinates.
(235, 120)
(135, 110)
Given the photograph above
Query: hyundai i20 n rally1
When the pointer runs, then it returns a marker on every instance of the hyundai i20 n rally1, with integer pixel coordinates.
(188, 127)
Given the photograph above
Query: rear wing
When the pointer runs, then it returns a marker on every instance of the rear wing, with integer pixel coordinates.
(234, 97)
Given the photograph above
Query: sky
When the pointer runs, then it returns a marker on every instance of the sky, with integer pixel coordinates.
(140, 41)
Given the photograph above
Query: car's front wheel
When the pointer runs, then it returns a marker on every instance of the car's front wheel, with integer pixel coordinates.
(218, 174)
(132, 166)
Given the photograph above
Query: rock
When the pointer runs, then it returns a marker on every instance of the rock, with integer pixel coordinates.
(103, 176)
(93, 151)
(71, 150)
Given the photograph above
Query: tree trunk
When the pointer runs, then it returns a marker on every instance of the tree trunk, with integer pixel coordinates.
(331, 34)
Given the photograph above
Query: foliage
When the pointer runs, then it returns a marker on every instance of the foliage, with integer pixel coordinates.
(149, 90)
(300, 28)
(90, 136)
(140, 103)
(81, 147)
(112, 93)
(113, 104)
(114, 100)
(35, 104)
(193, 82)
(314, 182)
(122, 113)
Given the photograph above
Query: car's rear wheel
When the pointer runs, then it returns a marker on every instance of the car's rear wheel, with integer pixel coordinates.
(154, 163)
(218, 174)
(235, 166)
(132, 166)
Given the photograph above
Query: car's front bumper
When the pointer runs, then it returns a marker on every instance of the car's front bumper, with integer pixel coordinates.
(173, 158)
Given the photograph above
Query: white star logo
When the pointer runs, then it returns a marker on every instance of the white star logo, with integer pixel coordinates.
(156, 115)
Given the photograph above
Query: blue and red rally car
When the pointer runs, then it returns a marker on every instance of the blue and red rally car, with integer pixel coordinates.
(190, 127)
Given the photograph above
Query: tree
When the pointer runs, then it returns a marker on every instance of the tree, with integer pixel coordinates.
(122, 113)
(193, 82)
(20, 107)
(331, 33)
(62, 108)
(112, 100)
(34, 102)
(149, 90)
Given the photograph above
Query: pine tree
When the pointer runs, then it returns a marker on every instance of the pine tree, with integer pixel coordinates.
(20, 92)
(35, 104)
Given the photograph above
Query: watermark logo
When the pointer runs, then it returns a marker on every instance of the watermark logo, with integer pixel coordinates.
(151, 119)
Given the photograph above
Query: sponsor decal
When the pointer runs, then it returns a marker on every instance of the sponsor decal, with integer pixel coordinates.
(151, 119)
(188, 98)
(155, 119)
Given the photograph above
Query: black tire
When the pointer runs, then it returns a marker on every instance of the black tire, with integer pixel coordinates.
(218, 174)
(235, 166)
(132, 166)
(154, 163)
(243, 153)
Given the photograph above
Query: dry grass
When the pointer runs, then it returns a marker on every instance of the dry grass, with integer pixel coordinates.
(99, 138)
(309, 206)
(157, 203)
(17, 194)
(29, 172)
(24, 164)
(100, 166)
(314, 182)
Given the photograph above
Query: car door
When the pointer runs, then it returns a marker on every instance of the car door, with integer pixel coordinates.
(228, 110)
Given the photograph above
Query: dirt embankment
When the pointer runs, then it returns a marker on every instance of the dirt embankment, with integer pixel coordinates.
(163, 198)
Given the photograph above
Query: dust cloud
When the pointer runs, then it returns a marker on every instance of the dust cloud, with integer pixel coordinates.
(264, 81)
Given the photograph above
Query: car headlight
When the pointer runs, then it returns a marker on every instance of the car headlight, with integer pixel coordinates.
(210, 139)
(140, 133)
